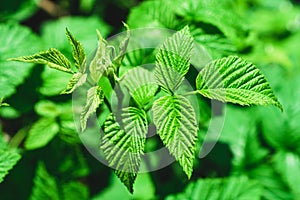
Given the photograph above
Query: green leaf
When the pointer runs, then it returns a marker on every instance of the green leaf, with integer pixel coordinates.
(177, 127)
(78, 51)
(141, 85)
(101, 60)
(221, 189)
(7, 161)
(41, 133)
(2, 103)
(234, 80)
(76, 81)
(123, 143)
(15, 40)
(94, 99)
(53, 58)
(122, 48)
(47, 109)
(45, 186)
(173, 60)
(75, 191)
(14, 10)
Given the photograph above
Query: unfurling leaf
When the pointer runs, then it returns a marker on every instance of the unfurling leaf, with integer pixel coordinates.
(173, 60)
(176, 124)
(77, 80)
(7, 160)
(123, 143)
(78, 51)
(141, 85)
(94, 99)
(234, 80)
(122, 47)
(101, 60)
(41, 133)
(53, 58)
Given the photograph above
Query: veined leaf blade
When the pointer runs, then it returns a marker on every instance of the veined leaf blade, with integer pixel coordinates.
(173, 60)
(78, 51)
(53, 58)
(123, 143)
(76, 81)
(141, 85)
(8, 159)
(176, 125)
(94, 99)
(234, 80)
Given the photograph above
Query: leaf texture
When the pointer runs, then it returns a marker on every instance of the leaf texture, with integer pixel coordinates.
(78, 51)
(141, 85)
(176, 125)
(173, 60)
(53, 58)
(76, 81)
(7, 160)
(94, 99)
(123, 143)
(234, 80)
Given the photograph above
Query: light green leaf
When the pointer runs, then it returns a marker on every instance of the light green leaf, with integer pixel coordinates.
(122, 48)
(76, 81)
(45, 186)
(53, 58)
(221, 189)
(47, 109)
(94, 99)
(234, 80)
(141, 85)
(78, 51)
(175, 120)
(41, 133)
(123, 143)
(101, 60)
(7, 161)
(15, 40)
(173, 60)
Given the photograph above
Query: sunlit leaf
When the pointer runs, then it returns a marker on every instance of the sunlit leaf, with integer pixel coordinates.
(176, 125)
(7, 161)
(234, 80)
(76, 81)
(53, 58)
(173, 60)
(123, 143)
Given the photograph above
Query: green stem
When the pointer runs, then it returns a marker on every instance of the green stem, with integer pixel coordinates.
(190, 93)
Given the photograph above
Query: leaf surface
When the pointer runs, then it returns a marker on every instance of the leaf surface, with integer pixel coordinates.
(7, 161)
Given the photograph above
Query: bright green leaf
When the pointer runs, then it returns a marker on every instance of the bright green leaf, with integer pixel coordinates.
(53, 58)
(76, 81)
(7, 160)
(47, 109)
(78, 51)
(234, 80)
(141, 85)
(176, 125)
(15, 40)
(173, 60)
(94, 99)
(41, 133)
(123, 143)
(45, 186)
(221, 189)
(75, 191)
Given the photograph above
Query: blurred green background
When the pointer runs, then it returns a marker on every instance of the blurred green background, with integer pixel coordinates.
(257, 155)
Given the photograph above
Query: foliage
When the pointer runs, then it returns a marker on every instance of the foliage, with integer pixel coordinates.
(220, 59)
